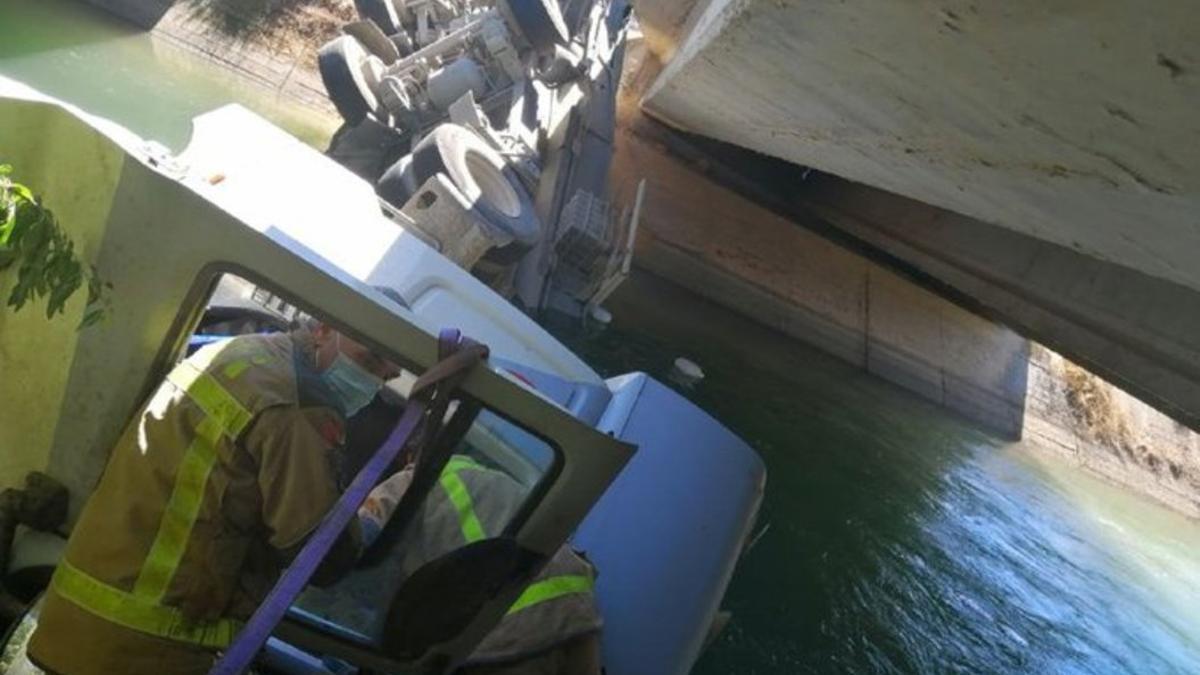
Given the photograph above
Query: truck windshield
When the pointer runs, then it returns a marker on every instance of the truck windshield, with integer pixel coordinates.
(492, 474)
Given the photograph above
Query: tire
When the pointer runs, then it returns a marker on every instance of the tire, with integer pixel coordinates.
(341, 62)
(540, 21)
(485, 178)
(397, 184)
(382, 12)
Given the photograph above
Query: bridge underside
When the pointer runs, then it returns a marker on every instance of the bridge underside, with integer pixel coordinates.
(1037, 163)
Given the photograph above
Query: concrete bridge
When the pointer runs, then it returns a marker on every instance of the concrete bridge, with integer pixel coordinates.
(1037, 163)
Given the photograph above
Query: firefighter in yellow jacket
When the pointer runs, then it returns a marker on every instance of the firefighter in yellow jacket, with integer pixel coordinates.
(208, 494)
(554, 626)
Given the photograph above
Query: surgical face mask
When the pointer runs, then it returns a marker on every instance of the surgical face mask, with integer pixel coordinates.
(352, 384)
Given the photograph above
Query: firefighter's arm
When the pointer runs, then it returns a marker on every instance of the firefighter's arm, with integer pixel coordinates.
(297, 477)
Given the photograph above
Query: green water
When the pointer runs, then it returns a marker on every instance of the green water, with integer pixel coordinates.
(900, 540)
(71, 51)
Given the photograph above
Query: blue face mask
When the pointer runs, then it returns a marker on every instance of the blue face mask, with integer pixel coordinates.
(352, 384)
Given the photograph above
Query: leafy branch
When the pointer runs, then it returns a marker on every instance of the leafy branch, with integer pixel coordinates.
(47, 266)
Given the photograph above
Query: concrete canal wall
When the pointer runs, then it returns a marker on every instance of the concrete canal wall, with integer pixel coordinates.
(1095, 425)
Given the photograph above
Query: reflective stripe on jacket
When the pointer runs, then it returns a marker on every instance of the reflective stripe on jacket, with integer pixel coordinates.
(476, 502)
(224, 471)
(471, 503)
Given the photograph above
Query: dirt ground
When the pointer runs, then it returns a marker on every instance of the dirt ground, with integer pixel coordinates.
(295, 28)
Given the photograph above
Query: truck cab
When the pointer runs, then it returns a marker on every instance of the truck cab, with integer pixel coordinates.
(245, 229)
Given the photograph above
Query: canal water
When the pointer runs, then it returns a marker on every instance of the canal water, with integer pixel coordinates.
(896, 538)
(72, 51)
(899, 539)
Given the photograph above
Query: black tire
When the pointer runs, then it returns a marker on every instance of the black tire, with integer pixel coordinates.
(396, 184)
(340, 64)
(382, 12)
(485, 178)
(540, 21)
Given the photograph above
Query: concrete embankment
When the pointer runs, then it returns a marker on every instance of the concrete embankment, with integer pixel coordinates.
(272, 43)
(703, 234)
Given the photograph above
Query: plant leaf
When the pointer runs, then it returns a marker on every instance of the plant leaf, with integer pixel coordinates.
(47, 265)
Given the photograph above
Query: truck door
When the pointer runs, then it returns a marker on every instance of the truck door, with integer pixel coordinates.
(540, 467)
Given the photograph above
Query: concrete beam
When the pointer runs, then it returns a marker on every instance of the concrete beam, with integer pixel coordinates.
(1069, 121)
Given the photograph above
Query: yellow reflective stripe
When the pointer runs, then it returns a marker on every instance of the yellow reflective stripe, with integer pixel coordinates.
(127, 610)
(225, 414)
(214, 399)
(551, 588)
(183, 507)
(235, 368)
(458, 462)
(456, 490)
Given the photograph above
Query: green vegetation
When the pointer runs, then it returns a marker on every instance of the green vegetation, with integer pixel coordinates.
(32, 241)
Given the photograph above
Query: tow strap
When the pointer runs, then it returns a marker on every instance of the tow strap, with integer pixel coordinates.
(420, 429)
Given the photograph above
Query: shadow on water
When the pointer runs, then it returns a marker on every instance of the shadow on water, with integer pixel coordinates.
(901, 539)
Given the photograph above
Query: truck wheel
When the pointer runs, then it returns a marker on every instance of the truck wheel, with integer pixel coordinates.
(396, 185)
(342, 63)
(484, 177)
(540, 21)
(382, 12)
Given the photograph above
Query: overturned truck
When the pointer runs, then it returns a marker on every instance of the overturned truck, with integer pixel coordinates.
(505, 108)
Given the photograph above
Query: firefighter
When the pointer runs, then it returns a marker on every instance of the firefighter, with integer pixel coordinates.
(207, 495)
(554, 626)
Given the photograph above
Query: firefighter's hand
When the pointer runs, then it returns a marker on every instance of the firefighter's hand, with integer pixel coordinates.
(377, 510)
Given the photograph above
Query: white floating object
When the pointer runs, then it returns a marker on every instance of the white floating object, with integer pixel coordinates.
(601, 316)
(686, 372)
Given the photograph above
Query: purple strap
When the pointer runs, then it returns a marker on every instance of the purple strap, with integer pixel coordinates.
(254, 635)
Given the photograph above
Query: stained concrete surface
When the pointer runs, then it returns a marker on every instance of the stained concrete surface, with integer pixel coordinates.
(1073, 122)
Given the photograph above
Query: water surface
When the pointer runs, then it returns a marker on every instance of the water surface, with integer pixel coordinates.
(901, 539)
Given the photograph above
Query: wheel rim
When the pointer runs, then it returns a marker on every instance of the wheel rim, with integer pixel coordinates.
(494, 187)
